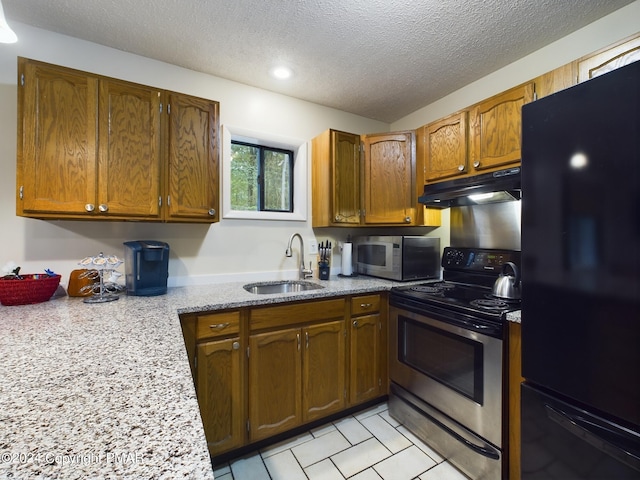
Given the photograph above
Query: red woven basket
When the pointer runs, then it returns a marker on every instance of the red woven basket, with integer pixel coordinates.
(31, 289)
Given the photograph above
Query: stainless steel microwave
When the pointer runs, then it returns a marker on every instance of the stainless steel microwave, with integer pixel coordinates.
(398, 257)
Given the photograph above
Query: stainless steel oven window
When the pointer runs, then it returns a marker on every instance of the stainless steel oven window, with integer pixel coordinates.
(454, 361)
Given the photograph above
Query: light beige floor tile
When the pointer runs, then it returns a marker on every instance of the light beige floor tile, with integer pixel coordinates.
(323, 430)
(286, 444)
(368, 474)
(360, 457)
(444, 471)
(405, 465)
(353, 430)
(421, 445)
(389, 419)
(375, 410)
(324, 470)
(249, 467)
(284, 466)
(320, 448)
(388, 436)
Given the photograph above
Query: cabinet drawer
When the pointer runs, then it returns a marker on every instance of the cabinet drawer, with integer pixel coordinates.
(296, 313)
(365, 304)
(217, 324)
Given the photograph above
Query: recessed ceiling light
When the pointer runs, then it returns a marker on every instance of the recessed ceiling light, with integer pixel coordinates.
(281, 73)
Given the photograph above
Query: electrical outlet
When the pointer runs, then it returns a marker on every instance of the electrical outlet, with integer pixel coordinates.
(313, 246)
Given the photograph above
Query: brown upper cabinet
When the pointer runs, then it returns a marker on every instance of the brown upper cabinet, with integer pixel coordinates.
(92, 147)
(494, 129)
(610, 58)
(367, 180)
(444, 147)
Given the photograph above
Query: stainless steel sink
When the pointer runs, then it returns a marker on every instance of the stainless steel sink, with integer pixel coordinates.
(282, 286)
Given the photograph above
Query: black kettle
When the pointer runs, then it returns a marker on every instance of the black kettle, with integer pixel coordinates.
(507, 286)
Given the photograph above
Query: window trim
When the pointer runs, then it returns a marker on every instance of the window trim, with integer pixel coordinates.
(300, 179)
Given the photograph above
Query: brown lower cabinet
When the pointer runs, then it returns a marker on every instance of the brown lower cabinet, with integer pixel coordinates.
(262, 371)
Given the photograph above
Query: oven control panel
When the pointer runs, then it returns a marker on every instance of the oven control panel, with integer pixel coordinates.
(478, 259)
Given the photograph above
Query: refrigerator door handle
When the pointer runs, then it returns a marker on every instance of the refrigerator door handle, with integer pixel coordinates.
(607, 440)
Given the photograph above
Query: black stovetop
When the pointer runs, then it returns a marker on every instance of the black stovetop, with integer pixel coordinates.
(469, 274)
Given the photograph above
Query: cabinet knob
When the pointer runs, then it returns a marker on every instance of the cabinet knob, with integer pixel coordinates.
(103, 207)
(89, 207)
(235, 345)
(212, 212)
(407, 219)
(476, 164)
(355, 323)
(366, 305)
(461, 168)
(337, 219)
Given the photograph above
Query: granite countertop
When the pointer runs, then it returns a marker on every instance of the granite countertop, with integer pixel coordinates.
(105, 390)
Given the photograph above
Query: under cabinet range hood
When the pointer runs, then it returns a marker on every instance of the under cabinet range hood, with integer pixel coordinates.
(499, 186)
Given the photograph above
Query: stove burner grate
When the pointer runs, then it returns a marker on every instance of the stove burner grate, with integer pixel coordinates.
(434, 289)
(490, 304)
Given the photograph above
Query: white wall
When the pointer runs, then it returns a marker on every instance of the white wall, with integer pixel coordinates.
(608, 30)
(202, 252)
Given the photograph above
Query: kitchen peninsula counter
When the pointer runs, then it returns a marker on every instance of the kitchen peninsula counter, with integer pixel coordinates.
(105, 390)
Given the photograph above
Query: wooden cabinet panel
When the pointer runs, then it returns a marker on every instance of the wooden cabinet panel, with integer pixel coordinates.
(609, 59)
(389, 178)
(445, 147)
(275, 382)
(495, 127)
(296, 313)
(365, 304)
(217, 324)
(93, 147)
(346, 178)
(130, 150)
(323, 370)
(57, 140)
(193, 162)
(220, 394)
(364, 358)
(555, 80)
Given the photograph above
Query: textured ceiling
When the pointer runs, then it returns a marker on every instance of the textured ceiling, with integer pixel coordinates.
(381, 59)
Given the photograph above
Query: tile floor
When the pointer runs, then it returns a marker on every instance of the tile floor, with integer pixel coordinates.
(369, 445)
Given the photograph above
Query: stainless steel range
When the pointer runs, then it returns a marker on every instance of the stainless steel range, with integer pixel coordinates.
(446, 359)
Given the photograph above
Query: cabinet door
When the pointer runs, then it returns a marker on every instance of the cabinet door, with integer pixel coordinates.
(323, 369)
(275, 382)
(129, 159)
(609, 59)
(220, 394)
(57, 146)
(445, 147)
(495, 126)
(364, 383)
(193, 156)
(389, 178)
(346, 178)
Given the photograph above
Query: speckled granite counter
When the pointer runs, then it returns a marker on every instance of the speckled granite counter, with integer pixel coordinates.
(105, 390)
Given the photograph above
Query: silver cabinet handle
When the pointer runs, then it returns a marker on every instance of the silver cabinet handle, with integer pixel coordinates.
(212, 212)
(298, 337)
(306, 340)
(103, 207)
(219, 326)
(476, 164)
(366, 305)
(355, 323)
(407, 219)
(89, 207)
(235, 345)
(460, 168)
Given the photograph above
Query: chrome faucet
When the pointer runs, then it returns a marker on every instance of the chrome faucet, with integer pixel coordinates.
(304, 272)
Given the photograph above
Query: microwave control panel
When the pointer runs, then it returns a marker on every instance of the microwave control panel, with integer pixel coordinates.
(478, 259)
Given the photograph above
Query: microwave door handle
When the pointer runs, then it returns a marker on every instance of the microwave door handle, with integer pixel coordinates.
(603, 438)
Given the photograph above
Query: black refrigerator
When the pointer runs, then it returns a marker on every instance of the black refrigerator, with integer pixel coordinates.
(581, 281)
